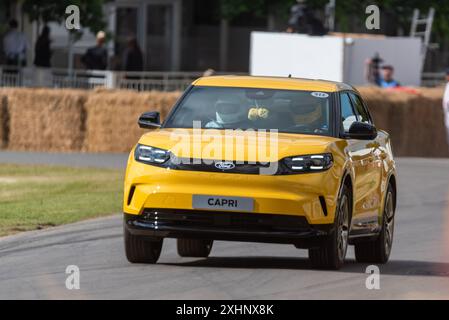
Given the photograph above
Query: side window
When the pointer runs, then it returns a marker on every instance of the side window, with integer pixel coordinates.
(360, 109)
(347, 112)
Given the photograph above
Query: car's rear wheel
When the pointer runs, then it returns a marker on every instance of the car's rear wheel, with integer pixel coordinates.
(378, 250)
(141, 250)
(198, 248)
(332, 252)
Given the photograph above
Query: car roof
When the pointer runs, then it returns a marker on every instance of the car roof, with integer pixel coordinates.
(285, 83)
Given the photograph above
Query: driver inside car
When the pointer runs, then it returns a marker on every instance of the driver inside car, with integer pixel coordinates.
(309, 116)
(229, 113)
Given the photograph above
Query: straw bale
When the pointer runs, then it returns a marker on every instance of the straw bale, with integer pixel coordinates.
(413, 120)
(46, 119)
(112, 117)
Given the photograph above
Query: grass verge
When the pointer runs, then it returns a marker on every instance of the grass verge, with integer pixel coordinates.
(35, 197)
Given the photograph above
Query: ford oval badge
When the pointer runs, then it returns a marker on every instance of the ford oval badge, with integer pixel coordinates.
(224, 165)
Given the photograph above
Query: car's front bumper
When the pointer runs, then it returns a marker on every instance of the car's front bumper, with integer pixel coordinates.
(234, 226)
(311, 196)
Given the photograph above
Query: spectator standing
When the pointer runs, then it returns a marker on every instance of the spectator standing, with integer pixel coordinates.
(132, 57)
(297, 21)
(15, 45)
(42, 54)
(96, 58)
(372, 68)
(384, 79)
(302, 20)
(209, 72)
(446, 105)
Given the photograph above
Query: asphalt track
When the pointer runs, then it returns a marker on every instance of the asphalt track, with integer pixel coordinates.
(32, 265)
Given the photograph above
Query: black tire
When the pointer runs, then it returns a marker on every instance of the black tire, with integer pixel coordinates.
(141, 250)
(332, 252)
(197, 248)
(378, 250)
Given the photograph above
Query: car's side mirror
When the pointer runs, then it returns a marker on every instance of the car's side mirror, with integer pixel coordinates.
(362, 131)
(150, 120)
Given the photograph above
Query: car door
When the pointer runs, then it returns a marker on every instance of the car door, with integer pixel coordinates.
(360, 152)
(374, 198)
(379, 154)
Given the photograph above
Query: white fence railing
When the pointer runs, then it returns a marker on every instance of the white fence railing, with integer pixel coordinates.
(433, 79)
(140, 81)
(80, 79)
(89, 79)
(164, 81)
(10, 77)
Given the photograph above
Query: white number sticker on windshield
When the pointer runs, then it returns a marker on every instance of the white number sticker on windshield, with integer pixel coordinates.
(320, 94)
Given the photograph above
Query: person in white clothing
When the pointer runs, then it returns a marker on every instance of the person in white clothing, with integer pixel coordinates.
(15, 45)
(446, 106)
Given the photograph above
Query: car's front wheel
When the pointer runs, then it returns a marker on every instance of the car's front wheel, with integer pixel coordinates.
(197, 248)
(332, 252)
(141, 250)
(378, 250)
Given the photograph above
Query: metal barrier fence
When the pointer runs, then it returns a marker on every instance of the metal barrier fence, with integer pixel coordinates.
(163, 81)
(433, 79)
(77, 79)
(10, 77)
(140, 81)
(90, 79)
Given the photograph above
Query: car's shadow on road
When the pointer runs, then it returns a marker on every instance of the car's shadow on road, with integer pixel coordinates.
(393, 267)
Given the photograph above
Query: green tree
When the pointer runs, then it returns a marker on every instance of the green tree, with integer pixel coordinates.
(91, 16)
(232, 8)
(91, 12)
(348, 11)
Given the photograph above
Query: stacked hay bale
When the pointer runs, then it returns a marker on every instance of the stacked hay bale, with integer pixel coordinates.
(106, 120)
(112, 117)
(46, 119)
(414, 120)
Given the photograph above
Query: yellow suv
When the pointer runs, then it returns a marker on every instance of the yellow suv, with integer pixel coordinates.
(263, 159)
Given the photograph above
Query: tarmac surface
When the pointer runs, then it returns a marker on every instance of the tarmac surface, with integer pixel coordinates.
(33, 264)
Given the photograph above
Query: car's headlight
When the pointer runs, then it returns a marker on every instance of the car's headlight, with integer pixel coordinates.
(309, 163)
(151, 155)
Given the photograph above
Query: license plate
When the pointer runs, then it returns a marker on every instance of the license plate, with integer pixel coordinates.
(222, 203)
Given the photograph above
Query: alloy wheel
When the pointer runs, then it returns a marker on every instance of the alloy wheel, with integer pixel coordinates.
(388, 223)
(343, 227)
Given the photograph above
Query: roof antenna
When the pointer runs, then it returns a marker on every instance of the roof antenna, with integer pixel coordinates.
(290, 75)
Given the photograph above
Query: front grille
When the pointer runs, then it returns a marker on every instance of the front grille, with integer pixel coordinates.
(238, 167)
(245, 168)
(228, 220)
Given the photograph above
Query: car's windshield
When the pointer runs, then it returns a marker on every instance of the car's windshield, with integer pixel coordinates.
(252, 108)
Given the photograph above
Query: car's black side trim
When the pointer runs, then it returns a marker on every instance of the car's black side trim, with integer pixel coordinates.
(130, 195)
(323, 205)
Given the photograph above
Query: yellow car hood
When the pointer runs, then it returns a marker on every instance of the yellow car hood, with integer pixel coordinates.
(225, 145)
